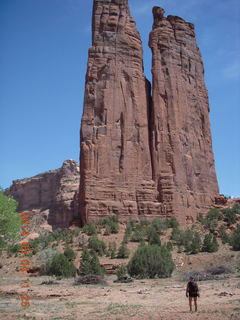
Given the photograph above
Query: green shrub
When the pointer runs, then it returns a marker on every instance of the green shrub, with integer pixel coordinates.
(209, 224)
(172, 222)
(90, 263)
(97, 245)
(13, 249)
(223, 235)
(176, 235)
(235, 239)
(214, 214)
(195, 244)
(210, 243)
(230, 216)
(159, 224)
(90, 229)
(153, 236)
(123, 251)
(110, 223)
(169, 245)
(138, 234)
(60, 266)
(70, 254)
(121, 271)
(150, 261)
(9, 220)
(144, 222)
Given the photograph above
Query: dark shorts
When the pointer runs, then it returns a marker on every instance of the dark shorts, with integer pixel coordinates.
(193, 295)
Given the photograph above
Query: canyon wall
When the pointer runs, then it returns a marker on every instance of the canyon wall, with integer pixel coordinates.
(55, 193)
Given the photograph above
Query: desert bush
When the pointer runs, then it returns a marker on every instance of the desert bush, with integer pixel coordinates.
(169, 245)
(90, 263)
(13, 249)
(172, 222)
(210, 243)
(150, 261)
(90, 279)
(176, 235)
(110, 223)
(223, 235)
(194, 245)
(90, 229)
(235, 239)
(97, 245)
(230, 216)
(69, 253)
(123, 251)
(159, 224)
(214, 214)
(59, 265)
(144, 222)
(46, 254)
(138, 234)
(209, 224)
(112, 249)
(121, 271)
(219, 269)
(153, 236)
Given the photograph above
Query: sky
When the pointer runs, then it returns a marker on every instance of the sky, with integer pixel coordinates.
(43, 58)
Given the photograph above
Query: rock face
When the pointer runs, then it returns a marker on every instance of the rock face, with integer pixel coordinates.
(54, 192)
(116, 171)
(144, 157)
(183, 162)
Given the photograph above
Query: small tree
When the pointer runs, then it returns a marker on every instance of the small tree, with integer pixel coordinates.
(97, 245)
(230, 216)
(153, 236)
(195, 244)
(123, 251)
(150, 261)
(210, 243)
(121, 271)
(90, 229)
(70, 254)
(90, 263)
(60, 266)
(138, 234)
(176, 235)
(235, 239)
(172, 222)
(9, 220)
(223, 235)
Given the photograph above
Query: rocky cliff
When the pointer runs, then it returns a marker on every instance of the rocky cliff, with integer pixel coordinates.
(115, 166)
(142, 155)
(55, 193)
(183, 162)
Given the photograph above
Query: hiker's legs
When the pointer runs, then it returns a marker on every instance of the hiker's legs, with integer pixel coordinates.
(190, 303)
(195, 303)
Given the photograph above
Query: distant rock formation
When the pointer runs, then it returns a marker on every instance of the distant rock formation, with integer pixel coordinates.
(142, 155)
(53, 192)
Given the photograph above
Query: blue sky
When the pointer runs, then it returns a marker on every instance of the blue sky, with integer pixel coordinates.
(43, 58)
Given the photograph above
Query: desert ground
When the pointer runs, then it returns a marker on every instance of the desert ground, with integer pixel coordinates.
(157, 299)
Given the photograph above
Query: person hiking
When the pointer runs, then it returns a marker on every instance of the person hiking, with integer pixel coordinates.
(192, 292)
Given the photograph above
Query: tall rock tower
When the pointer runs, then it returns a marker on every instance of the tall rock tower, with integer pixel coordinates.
(142, 155)
(116, 170)
(183, 162)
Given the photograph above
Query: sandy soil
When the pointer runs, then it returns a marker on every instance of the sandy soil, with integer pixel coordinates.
(161, 299)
